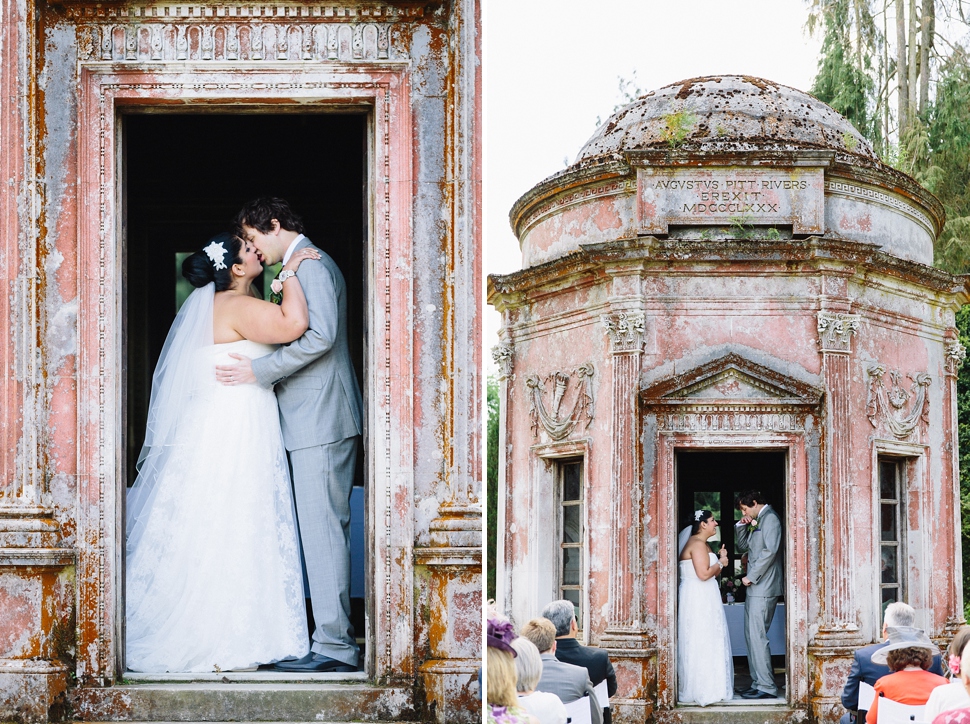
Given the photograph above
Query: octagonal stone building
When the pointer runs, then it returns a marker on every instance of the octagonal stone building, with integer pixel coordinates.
(728, 290)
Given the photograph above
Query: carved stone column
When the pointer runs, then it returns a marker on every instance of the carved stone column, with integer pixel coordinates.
(625, 330)
(36, 577)
(953, 355)
(835, 332)
(504, 355)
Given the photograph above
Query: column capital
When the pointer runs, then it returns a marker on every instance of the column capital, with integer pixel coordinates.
(835, 331)
(625, 330)
(954, 354)
(503, 355)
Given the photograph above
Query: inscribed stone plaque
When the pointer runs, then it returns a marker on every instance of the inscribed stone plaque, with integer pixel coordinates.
(722, 196)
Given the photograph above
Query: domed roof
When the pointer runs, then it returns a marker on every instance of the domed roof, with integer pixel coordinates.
(728, 113)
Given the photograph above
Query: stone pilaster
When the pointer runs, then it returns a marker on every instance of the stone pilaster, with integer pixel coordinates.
(626, 642)
(453, 561)
(36, 572)
(625, 331)
(954, 354)
(835, 332)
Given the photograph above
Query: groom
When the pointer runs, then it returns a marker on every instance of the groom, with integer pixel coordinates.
(320, 414)
(759, 533)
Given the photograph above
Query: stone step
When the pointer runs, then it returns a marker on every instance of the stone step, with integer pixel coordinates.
(265, 701)
(733, 713)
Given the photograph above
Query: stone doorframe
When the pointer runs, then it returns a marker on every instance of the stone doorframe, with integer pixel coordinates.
(728, 403)
(106, 91)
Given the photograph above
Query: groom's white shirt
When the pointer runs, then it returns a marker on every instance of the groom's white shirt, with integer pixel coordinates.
(291, 248)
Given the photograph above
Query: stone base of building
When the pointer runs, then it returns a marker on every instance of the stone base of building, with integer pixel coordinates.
(32, 692)
(452, 692)
(245, 701)
(736, 714)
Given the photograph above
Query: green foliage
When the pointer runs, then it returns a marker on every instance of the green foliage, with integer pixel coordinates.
(677, 126)
(843, 81)
(491, 483)
(945, 168)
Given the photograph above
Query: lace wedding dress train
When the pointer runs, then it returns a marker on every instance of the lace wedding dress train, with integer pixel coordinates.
(705, 668)
(214, 579)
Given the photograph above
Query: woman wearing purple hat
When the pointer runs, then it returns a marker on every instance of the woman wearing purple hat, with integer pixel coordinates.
(503, 706)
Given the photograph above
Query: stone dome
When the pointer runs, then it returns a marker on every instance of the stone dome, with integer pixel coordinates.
(728, 113)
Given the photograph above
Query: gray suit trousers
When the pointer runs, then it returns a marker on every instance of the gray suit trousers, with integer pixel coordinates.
(323, 476)
(758, 612)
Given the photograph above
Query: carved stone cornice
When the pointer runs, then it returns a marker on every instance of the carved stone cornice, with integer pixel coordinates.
(550, 418)
(625, 330)
(887, 408)
(503, 356)
(239, 32)
(954, 354)
(835, 331)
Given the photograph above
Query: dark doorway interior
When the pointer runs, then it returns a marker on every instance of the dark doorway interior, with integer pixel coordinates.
(186, 175)
(712, 480)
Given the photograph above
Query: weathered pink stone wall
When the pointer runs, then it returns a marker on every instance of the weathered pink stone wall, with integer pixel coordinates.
(716, 337)
(70, 69)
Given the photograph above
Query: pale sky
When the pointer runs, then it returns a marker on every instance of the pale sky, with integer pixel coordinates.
(551, 67)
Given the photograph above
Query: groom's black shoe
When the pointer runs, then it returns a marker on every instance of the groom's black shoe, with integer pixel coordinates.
(757, 694)
(314, 664)
(749, 690)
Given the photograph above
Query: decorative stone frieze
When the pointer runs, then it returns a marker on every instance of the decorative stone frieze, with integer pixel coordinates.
(887, 408)
(550, 418)
(835, 331)
(503, 356)
(625, 330)
(235, 38)
(954, 354)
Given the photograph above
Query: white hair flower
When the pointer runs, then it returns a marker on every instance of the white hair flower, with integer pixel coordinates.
(698, 514)
(216, 253)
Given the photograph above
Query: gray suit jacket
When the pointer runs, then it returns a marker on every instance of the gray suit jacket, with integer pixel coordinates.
(316, 387)
(569, 683)
(765, 554)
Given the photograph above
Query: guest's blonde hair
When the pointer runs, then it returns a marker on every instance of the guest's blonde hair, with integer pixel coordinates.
(541, 632)
(501, 678)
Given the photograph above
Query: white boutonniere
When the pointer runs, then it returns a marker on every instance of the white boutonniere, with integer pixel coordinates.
(753, 525)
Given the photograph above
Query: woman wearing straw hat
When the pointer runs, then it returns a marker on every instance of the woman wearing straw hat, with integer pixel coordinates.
(908, 655)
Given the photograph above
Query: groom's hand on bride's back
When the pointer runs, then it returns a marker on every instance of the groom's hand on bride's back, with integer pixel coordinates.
(240, 373)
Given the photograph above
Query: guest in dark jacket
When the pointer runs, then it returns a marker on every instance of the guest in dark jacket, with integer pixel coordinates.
(863, 668)
(568, 649)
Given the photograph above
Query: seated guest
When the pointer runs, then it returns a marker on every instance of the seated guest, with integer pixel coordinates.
(863, 668)
(954, 695)
(545, 707)
(909, 655)
(503, 707)
(566, 681)
(568, 649)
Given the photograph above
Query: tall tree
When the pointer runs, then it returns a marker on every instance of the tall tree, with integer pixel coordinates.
(844, 78)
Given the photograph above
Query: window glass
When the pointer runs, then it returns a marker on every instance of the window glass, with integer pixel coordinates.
(572, 544)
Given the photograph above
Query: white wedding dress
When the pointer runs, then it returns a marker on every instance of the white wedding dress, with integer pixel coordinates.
(214, 578)
(705, 668)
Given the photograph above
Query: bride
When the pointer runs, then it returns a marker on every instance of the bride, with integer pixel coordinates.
(213, 578)
(705, 669)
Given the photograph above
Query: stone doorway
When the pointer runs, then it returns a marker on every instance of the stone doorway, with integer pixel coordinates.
(174, 201)
(712, 480)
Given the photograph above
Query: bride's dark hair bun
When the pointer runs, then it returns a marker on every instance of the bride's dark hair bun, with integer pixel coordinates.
(695, 523)
(200, 268)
